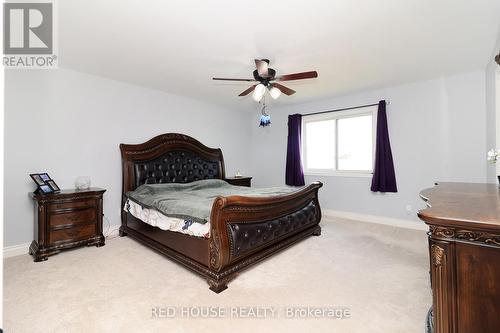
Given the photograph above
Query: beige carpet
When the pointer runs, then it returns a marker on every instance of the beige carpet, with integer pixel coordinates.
(379, 273)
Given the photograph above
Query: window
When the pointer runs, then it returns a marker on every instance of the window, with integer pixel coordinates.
(339, 143)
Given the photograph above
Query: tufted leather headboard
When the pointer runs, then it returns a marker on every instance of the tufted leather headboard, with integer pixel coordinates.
(176, 166)
(169, 158)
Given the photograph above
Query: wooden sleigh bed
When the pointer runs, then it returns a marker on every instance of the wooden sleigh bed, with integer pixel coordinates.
(243, 230)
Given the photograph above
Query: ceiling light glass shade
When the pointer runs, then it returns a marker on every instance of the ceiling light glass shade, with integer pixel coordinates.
(260, 89)
(256, 97)
(275, 92)
(259, 92)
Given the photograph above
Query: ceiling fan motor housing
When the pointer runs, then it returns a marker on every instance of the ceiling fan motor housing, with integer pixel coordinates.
(264, 80)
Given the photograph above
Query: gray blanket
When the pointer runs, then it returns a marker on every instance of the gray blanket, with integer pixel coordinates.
(193, 201)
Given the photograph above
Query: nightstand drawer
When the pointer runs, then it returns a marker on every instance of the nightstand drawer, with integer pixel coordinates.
(73, 217)
(72, 234)
(72, 204)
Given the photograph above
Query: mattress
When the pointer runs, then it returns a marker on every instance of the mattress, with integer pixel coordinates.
(156, 219)
(187, 207)
(193, 201)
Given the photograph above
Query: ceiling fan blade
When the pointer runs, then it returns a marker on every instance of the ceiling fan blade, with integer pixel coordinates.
(298, 76)
(284, 90)
(262, 68)
(226, 79)
(249, 90)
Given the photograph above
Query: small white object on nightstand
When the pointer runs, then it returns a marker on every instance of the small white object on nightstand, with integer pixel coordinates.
(82, 183)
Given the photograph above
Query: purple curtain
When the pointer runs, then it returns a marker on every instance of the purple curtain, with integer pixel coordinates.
(294, 173)
(384, 178)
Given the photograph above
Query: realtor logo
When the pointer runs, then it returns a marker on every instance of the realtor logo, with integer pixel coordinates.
(28, 35)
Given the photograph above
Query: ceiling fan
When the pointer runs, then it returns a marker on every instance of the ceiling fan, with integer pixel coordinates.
(267, 79)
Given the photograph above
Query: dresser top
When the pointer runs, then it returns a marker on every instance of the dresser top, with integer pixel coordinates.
(471, 205)
(67, 193)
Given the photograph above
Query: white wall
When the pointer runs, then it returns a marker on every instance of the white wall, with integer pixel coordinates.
(437, 130)
(70, 124)
(493, 110)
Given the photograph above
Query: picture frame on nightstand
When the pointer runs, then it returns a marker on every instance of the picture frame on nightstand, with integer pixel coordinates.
(44, 183)
(53, 185)
(37, 179)
(45, 189)
(45, 176)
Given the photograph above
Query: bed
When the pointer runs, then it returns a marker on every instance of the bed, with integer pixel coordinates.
(243, 230)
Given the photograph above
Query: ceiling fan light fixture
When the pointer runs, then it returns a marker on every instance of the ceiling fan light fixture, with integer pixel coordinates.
(260, 89)
(274, 92)
(256, 97)
(259, 92)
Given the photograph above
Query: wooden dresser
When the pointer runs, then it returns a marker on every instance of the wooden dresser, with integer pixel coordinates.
(65, 220)
(464, 248)
(239, 181)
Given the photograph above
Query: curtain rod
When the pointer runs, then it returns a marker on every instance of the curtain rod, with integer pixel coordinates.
(343, 109)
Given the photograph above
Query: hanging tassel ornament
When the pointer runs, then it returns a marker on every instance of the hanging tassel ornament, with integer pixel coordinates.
(265, 119)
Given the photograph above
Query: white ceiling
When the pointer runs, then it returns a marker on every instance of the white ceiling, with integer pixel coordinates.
(178, 46)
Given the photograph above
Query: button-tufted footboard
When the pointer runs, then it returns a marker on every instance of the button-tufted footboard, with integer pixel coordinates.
(246, 237)
(246, 230)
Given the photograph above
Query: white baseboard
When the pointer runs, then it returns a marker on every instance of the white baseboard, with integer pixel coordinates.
(15, 250)
(400, 223)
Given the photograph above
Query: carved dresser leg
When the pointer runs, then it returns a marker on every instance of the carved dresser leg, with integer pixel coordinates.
(100, 241)
(40, 257)
(37, 254)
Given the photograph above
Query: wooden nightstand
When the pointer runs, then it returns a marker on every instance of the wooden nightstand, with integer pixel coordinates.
(66, 219)
(240, 181)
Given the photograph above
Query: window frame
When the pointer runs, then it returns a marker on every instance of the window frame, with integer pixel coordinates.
(367, 110)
